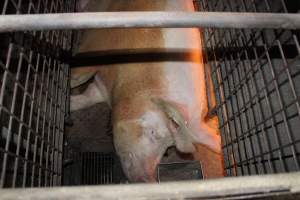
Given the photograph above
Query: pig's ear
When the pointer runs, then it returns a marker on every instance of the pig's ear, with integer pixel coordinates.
(182, 141)
(81, 78)
(182, 135)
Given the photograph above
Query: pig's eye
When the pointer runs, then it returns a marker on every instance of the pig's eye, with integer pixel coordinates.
(154, 134)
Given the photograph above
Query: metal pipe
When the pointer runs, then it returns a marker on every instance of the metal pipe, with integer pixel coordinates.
(248, 186)
(148, 19)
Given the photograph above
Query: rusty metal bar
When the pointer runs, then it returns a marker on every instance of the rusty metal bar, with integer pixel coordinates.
(251, 186)
(148, 19)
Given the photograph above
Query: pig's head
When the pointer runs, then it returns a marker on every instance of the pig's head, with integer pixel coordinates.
(141, 142)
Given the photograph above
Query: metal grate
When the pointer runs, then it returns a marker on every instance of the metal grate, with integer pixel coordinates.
(92, 168)
(34, 88)
(179, 171)
(256, 75)
(97, 168)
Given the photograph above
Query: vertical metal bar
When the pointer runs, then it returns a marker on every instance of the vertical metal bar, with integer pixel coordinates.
(51, 136)
(53, 104)
(94, 170)
(111, 168)
(31, 112)
(39, 106)
(105, 168)
(4, 7)
(62, 85)
(82, 168)
(85, 168)
(47, 171)
(56, 122)
(88, 168)
(101, 167)
(4, 80)
(3, 87)
(97, 168)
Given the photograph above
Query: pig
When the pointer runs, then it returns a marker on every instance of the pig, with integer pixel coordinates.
(156, 103)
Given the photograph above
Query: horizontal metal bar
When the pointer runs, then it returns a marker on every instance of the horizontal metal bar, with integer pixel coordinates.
(148, 19)
(226, 187)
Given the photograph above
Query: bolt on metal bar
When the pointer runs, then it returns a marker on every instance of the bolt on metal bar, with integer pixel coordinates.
(94, 20)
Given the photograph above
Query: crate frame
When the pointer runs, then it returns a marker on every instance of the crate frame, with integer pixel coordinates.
(255, 185)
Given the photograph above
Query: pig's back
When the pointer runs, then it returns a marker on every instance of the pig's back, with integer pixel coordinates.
(180, 81)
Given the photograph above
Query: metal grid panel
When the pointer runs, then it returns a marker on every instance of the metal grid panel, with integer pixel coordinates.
(179, 171)
(97, 168)
(34, 88)
(256, 75)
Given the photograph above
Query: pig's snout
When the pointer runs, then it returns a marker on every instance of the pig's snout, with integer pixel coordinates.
(139, 169)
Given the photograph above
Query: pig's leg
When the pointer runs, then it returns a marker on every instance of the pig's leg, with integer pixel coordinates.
(89, 97)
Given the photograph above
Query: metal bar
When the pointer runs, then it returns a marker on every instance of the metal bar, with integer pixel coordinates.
(104, 167)
(50, 116)
(148, 19)
(38, 118)
(94, 168)
(226, 187)
(35, 90)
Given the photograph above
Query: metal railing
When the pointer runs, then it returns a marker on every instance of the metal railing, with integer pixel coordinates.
(148, 19)
(249, 187)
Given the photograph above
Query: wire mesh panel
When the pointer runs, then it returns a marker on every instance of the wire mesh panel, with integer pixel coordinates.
(34, 88)
(92, 168)
(97, 168)
(256, 75)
